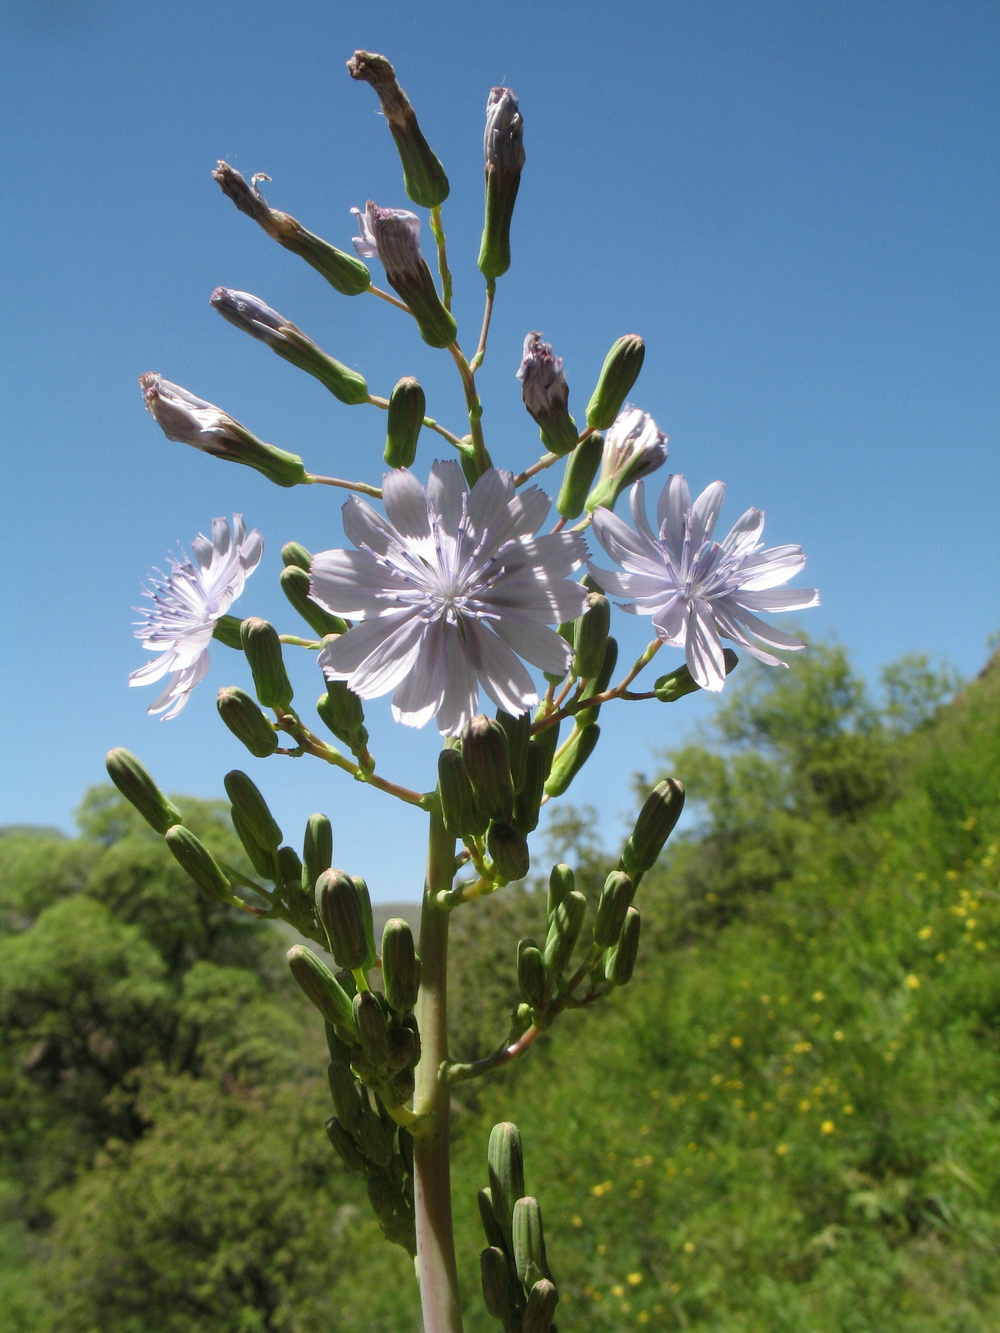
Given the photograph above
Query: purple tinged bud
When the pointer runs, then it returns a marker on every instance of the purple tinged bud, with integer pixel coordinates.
(634, 446)
(393, 235)
(503, 140)
(546, 395)
(503, 147)
(250, 314)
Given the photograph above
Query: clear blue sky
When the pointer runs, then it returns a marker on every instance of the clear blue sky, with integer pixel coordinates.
(794, 203)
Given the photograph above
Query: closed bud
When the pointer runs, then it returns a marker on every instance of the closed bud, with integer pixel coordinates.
(634, 446)
(194, 857)
(619, 962)
(346, 1148)
(373, 1030)
(564, 931)
(561, 882)
(365, 899)
(546, 395)
(581, 469)
(136, 784)
(462, 817)
(400, 965)
(530, 972)
(404, 1083)
(407, 406)
(586, 717)
(503, 149)
(321, 986)
(618, 374)
(486, 753)
(659, 814)
(227, 631)
(488, 1218)
(383, 1198)
(518, 733)
(614, 902)
(340, 909)
(404, 1046)
(342, 711)
(294, 582)
(393, 234)
(571, 758)
(346, 1094)
(498, 1291)
(423, 175)
(547, 740)
(540, 1308)
(528, 801)
(317, 851)
(505, 1158)
(263, 651)
(247, 799)
(342, 271)
(291, 870)
(294, 554)
(509, 850)
(259, 857)
(376, 1138)
(591, 636)
(676, 684)
(529, 1242)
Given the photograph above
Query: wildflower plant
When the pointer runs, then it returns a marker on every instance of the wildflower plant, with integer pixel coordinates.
(453, 586)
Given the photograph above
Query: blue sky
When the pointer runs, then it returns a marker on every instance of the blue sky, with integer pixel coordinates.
(794, 203)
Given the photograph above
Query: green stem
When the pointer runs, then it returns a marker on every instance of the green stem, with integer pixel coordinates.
(438, 230)
(437, 1271)
(474, 407)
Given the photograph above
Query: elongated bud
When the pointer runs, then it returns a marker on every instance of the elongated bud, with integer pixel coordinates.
(498, 1290)
(252, 808)
(529, 1242)
(321, 986)
(136, 784)
(462, 817)
(518, 733)
(373, 1030)
(547, 741)
(528, 801)
(367, 920)
(346, 1094)
(245, 720)
(634, 446)
(347, 1150)
(295, 585)
(488, 1218)
(340, 909)
(619, 962)
(263, 651)
(294, 554)
(586, 717)
(546, 395)
(509, 850)
(404, 1044)
(562, 881)
(251, 315)
(407, 406)
(400, 965)
(581, 469)
(505, 1158)
(291, 870)
(227, 631)
(194, 857)
(346, 273)
(376, 1139)
(571, 758)
(190, 420)
(540, 1307)
(393, 234)
(342, 711)
(317, 851)
(487, 761)
(676, 684)
(591, 636)
(503, 149)
(614, 902)
(423, 175)
(659, 814)
(531, 977)
(618, 374)
(259, 857)
(564, 931)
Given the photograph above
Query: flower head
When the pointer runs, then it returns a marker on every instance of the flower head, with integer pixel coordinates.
(634, 446)
(452, 588)
(186, 604)
(546, 394)
(503, 141)
(391, 235)
(697, 589)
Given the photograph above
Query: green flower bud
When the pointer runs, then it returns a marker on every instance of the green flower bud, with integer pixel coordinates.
(618, 374)
(227, 631)
(565, 630)
(404, 1084)
(346, 1148)
(407, 406)
(581, 469)
(339, 1050)
(499, 1295)
(295, 585)
(540, 1308)
(531, 977)
(423, 175)
(377, 1139)
(342, 711)
(321, 986)
(245, 720)
(346, 1094)
(136, 784)
(263, 651)
(486, 754)
(547, 741)
(259, 857)
(383, 1198)
(291, 870)
(295, 554)
(619, 962)
(509, 850)
(400, 965)
(503, 148)
(564, 931)
(404, 1045)
(528, 801)
(199, 863)
(590, 636)
(586, 717)
(341, 911)
(345, 272)
(252, 807)
(659, 814)
(562, 881)
(571, 758)
(529, 1242)
(469, 461)
(488, 1218)
(317, 851)
(614, 902)
(373, 1030)
(462, 817)
(365, 899)
(518, 733)
(505, 1158)
(676, 684)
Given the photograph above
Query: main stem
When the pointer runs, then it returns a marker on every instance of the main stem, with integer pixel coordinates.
(436, 1268)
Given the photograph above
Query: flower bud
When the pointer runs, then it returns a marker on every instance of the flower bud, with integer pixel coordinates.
(317, 851)
(404, 1044)
(393, 234)
(634, 446)
(346, 1148)
(250, 314)
(488, 1218)
(614, 902)
(295, 554)
(342, 711)
(581, 469)
(377, 1140)
(561, 882)
(400, 965)
(540, 1308)
(294, 582)
(407, 405)
(528, 801)
(546, 395)
(190, 420)
(373, 1030)
(367, 920)
(252, 807)
(136, 784)
(529, 1242)
(291, 871)
(531, 977)
(245, 720)
(619, 962)
(263, 651)
(343, 271)
(486, 754)
(518, 732)
(659, 814)
(346, 1094)
(194, 857)
(547, 741)
(259, 857)
(590, 636)
(503, 148)
(618, 374)
(676, 684)
(341, 911)
(423, 175)
(462, 817)
(498, 1289)
(571, 758)
(505, 1158)
(227, 631)
(509, 850)
(586, 717)
(322, 987)
(564, 931)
